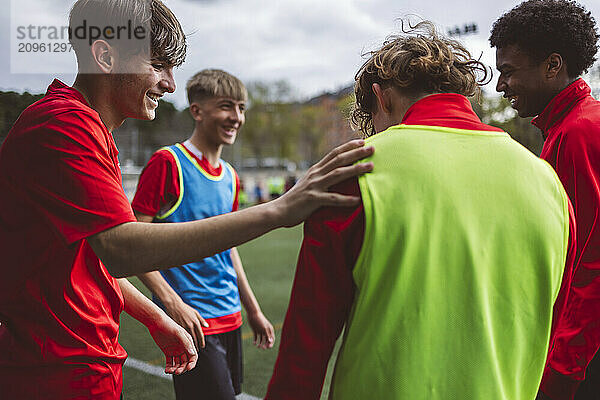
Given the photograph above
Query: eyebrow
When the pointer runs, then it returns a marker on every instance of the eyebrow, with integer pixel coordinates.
(230, 102)
(165, 64)
(504, 67)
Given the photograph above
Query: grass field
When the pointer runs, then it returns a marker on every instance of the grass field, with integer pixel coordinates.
(269, 263)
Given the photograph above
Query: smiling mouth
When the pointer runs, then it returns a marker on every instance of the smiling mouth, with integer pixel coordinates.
(153, 97)
(230, 131)
(512, 99)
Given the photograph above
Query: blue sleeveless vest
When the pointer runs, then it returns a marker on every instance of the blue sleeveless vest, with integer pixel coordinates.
(210, 286)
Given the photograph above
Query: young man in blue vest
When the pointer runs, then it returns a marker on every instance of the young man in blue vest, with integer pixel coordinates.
(187, 182)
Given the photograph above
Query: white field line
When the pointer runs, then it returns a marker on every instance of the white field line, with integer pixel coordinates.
(245, 396)
(160, 373)
(147, 368)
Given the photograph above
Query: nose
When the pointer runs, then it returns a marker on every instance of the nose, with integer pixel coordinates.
(501, 85)
(237, 115)
(168, 80)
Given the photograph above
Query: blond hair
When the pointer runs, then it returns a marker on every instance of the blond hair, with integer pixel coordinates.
(215, 83)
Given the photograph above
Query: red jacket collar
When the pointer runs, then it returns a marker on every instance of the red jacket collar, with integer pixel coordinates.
(561, 104)
(450, 110)
(57, 88)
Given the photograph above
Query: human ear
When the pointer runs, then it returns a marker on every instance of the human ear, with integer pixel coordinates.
(554, 64)
(103, 55)
(384, 100)
(196, 111)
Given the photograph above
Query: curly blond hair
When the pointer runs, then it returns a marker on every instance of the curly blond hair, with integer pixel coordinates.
(418, 62)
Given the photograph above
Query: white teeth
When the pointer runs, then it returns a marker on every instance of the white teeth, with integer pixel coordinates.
(153, 97)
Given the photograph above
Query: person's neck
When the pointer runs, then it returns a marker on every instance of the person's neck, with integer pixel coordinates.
(564, 83)
(98, 95)
(210, 151)
(571, 80)
(402, 105)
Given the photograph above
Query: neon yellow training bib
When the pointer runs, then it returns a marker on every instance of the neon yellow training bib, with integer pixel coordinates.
(466, 236)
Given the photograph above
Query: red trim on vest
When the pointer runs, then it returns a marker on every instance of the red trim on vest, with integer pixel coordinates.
(223, 324)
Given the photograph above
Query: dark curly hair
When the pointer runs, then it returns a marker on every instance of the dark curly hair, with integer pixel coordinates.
(542, 27)
(418, 62)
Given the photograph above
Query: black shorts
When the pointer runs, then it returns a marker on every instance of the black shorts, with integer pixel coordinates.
(218, 373)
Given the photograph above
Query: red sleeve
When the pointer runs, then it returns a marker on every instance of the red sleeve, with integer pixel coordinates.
(158, 187)
(554, 384)
(578, 331)
(236, 199)
(321, 298)
(73, 175)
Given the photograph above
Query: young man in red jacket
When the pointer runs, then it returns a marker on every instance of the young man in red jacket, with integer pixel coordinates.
(542, 48)
(67, 230)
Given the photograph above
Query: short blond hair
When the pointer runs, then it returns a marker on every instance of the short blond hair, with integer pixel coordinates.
(210, 83)
(418, 62)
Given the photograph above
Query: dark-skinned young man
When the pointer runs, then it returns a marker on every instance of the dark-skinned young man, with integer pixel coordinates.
(542, 49)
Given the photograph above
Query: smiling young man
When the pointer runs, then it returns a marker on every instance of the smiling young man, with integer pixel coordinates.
(542, 48)
(187, 182)
(67, 230)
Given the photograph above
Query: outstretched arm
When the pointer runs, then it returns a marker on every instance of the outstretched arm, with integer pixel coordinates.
(172, 339)
(182, 313)
(133, 248)
(264, 334)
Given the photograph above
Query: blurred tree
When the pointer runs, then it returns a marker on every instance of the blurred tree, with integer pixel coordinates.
(272, 126)
(496, 111)
(138, 139)
(258, 120)
(593, 78)
(12, 105)
(311, 135)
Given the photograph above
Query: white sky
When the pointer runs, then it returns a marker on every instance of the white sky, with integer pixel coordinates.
(316, 45)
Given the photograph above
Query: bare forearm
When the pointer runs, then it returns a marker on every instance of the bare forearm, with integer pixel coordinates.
(159, 287)
(154, 280)
(139, 306)
(136, 247)
(172, 339)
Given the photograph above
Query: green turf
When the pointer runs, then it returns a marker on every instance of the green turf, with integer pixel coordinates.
(269, 263)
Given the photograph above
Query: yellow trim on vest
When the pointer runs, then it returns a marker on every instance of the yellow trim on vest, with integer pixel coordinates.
(181, 189)
(447, 130)
(193, 161)
(233, 183)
